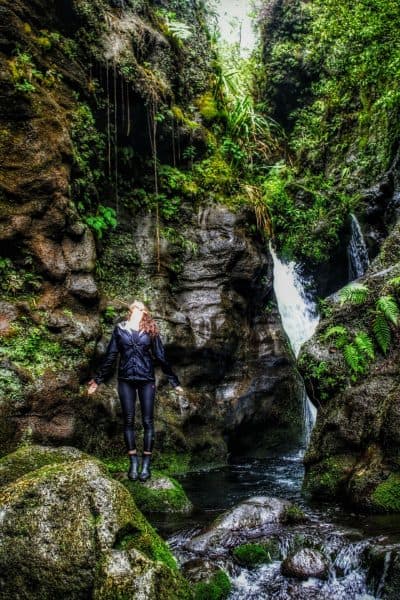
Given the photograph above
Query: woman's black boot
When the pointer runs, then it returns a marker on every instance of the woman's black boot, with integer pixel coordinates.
(146, 473)
(133, 469)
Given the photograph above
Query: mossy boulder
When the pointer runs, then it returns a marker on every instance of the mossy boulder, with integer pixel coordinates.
(254, 554)
(218, 587)
(70, 530)
(327, 478)
(161, 494)
(31, 457)
(386, 496)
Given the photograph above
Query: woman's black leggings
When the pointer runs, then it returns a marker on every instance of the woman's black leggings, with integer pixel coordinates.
(127, 394)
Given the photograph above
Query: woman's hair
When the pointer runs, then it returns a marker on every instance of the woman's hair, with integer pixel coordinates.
(147, 322)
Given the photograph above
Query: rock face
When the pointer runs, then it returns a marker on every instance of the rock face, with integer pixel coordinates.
(212, 294)
(355, 444)
(229, 351)
(68, 529)
(304, 564)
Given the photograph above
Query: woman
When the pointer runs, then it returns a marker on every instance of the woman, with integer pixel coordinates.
(137, 340)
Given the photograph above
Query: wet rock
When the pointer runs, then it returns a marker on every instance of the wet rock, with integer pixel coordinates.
(251, 516)
(199, 569)
(304, 564)
(78, 530)
(161, 494)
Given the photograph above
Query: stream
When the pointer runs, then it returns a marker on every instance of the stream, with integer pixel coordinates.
(344, 538)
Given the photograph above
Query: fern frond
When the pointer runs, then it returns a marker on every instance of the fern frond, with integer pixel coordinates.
(395, 282)
(356, 293)
(365, 344)
(353, 358)
(334, 331)
(388, 306)
(382, 332)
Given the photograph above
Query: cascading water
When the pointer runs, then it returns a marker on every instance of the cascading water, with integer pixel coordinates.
(357, 251)
(299, 317)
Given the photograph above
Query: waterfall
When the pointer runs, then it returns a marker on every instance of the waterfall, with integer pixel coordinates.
(299, 317)
(357, 251)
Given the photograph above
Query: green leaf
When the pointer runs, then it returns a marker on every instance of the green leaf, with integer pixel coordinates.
(355, 293)
(334, 331)
(365, 344)
(388, 306)
(353, 358)
(382, 331)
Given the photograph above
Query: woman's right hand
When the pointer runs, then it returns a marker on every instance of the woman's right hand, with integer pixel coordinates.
(92, 387)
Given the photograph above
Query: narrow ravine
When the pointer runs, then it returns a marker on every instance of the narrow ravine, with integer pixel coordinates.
(345, 544)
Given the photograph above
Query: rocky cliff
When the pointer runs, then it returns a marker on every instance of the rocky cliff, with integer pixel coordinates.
(95, 98)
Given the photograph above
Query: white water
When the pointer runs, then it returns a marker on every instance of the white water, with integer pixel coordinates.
(357, 251)
(299, 317)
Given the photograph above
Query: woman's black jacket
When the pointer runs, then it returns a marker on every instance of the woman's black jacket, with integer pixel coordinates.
(137, 350)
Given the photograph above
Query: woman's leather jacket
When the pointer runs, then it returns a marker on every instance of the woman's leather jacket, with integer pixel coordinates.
(138, 351)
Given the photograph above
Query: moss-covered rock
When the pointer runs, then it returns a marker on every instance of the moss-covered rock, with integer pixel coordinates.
(329, 477)
(386, 496)
(254, 554)
(159, 494)
(69, 528)
(29, 457)
(217, 588)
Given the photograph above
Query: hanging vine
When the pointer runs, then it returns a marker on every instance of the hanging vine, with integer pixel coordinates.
(152, 127)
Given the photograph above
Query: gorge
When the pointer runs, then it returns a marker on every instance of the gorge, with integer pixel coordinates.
(251, 200)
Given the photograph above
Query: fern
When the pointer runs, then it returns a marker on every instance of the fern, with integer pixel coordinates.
(354, 358)
(365, 344)
(382, 331)
(388, 306)
(339, 333)
(395, 282)
(356, 293)
(334, 331)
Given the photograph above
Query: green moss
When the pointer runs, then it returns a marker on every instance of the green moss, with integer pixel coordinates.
(217, 588)
(386, 496)
(160, 494)
(30, 457)
(168, 463)
(252, 555)
(35, 348)
(329, 477)
(293, 514)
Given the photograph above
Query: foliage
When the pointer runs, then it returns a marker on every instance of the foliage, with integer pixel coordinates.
(176, 30)
(356, 293)
(382, 332)
(18, 280)
(31, 347)
(102, 221)
(357, 352)
(23, 72)
(306, 213)
(352, 51)
(88, 153)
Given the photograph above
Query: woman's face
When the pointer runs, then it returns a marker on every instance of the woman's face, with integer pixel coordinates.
(136, 310)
